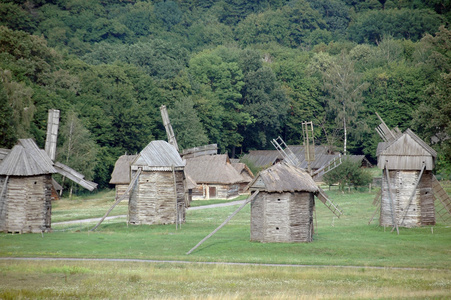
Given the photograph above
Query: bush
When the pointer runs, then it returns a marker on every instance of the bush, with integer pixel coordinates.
(348, 173)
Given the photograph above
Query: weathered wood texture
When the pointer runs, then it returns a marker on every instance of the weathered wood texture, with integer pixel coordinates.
(421, 210)
(26, 204)
(120, 190)
(282, 217)
(215, 191)
(153, 201)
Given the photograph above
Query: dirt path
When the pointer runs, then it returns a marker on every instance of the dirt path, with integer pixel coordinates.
(231, 203)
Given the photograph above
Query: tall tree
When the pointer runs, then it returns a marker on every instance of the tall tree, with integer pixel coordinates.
(77, 148)
(188, 129)
(343, 89)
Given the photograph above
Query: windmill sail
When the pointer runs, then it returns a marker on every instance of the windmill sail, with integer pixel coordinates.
(290, 158)
(440, 194)
(332, 164)
(286, 152)
(168, 127)
(332, 206)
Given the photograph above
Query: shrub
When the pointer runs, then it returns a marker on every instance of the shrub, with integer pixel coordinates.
(348, 173)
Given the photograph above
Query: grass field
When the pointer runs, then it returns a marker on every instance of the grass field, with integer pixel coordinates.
(348, 241)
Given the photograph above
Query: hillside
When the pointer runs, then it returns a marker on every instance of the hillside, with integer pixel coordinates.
(232, 72)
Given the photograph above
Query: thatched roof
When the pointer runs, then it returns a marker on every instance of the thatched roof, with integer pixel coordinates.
(212, 169)
(406, 152)
(244, 171)
(26, 159)
(189, 183)
(121, 172)
(159, 155)
(283, 177)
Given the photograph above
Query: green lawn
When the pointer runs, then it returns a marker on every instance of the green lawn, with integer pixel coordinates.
(347, 241)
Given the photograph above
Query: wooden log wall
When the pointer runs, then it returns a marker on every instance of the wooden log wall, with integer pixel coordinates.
(26, 205)
(421, 210)
(120, 190)
(282, 217)
(216, 191)
(152, 200)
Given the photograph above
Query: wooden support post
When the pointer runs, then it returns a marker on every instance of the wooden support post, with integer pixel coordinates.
(374, 214)
(176, 203)
(132, 182)
(392, 204)
(252, 197)
(413, 194)
(1, 195)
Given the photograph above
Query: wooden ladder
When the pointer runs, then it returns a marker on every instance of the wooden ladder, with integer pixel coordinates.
(439, 193)
(333, 207)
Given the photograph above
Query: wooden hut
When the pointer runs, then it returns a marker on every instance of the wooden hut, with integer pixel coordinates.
(215, 177)
(121, 174)
(283, 209)
(158, 196)
(407, 197)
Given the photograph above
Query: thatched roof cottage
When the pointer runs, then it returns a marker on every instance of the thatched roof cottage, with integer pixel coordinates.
(158, 196)
(215, 177)
(283, 209)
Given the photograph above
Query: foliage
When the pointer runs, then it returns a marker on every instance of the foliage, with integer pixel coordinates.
(347, 174)
(246, 66)
(187, 127)
(77, 148)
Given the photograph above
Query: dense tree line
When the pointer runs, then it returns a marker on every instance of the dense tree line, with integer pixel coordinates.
(232, 72)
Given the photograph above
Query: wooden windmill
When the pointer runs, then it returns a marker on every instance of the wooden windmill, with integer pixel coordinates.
(156, 190)
(409, 188)
(291, 159)
(282, 201)
(26, 182)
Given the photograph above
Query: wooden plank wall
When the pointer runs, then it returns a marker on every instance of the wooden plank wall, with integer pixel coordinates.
(282, 217)
(421, 210)
(223, 191)
(28, 205)
(152, 200)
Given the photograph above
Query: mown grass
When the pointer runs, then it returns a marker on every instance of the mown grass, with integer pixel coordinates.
(143, 280)
(345, 241)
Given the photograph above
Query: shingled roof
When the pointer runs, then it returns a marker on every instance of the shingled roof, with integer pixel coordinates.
(212, 169)
(159, 155)
(26, 159)
(283, 177)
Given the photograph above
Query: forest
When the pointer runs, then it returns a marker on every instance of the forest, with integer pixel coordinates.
(232, 72)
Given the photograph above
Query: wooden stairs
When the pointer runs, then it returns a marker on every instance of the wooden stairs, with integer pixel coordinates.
(333, 207)
(443, 210)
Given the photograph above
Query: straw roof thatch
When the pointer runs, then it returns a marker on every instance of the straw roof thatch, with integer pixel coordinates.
(26, 159)
(121, 171)
(215, 169)
(189, 183)
(283, 177)
(159, 155)
(244, 171)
